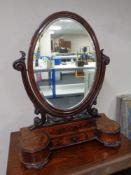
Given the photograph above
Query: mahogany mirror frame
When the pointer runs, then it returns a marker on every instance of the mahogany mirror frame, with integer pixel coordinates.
(90, 99)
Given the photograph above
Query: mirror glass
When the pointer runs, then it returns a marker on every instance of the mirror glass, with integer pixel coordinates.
(64, 63)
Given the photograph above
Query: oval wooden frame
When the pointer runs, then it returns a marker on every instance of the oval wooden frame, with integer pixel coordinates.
(90, 99)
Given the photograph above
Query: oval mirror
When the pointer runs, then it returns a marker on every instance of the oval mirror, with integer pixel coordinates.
(64, 63)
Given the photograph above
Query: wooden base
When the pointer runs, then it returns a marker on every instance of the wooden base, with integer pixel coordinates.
(36, 145)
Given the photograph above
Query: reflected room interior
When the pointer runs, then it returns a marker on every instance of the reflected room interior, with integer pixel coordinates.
(64, 63)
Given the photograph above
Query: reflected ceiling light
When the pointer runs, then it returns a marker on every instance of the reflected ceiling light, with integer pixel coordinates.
(52, 32)
(55, 27)
(66, 20)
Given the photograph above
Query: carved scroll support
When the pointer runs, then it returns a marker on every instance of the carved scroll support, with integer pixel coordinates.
(105, 61)
(20, 65)
(105, 58)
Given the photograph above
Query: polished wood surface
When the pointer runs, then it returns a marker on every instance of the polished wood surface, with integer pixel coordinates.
(83, 159)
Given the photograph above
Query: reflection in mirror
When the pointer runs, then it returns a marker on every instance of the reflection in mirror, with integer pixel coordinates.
(64, 63)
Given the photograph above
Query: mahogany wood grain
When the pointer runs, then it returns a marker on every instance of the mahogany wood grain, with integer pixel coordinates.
(83, 159)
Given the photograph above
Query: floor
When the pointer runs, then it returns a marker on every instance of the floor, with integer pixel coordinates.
(65, 101)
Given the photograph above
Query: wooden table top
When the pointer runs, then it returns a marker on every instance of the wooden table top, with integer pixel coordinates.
(88, 158)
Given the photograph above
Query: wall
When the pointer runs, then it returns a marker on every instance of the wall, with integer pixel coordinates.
(78, 42)
(45, 44)
(19, 19)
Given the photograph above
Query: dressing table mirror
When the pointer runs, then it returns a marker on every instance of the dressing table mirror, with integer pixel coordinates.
(63, 76)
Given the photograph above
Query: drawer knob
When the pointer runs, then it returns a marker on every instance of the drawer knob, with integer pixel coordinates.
(75, 139)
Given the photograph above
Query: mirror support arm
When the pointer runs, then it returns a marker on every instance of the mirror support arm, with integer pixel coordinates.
(105, 61)
(20, 65)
